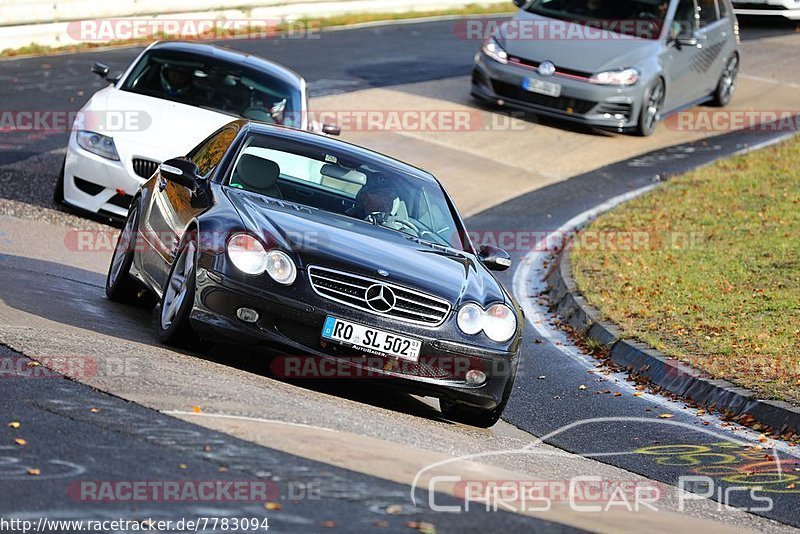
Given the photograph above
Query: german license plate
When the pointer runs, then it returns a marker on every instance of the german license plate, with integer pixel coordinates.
(371, 340)
(542, 87)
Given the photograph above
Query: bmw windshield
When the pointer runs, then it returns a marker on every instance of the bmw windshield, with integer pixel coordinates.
(216, 85)
(638, 18)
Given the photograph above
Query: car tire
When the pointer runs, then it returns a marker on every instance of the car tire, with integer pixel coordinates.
(172, 314)
(58, 190)
(652, 106)
(120, 285)
(727, 83)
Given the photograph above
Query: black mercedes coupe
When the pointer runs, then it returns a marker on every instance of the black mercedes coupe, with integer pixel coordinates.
(316, 248)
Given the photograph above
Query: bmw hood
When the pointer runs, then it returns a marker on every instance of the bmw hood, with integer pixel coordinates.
(572, 46)
(332, 241)
(144, 126)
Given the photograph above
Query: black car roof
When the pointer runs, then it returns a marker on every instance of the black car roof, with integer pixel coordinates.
(335, 146)
(231, 56)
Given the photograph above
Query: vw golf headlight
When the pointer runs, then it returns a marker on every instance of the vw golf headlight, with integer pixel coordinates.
(498, 322)
(616, 77)
(249, 256)
(493, 49)
(102, 145)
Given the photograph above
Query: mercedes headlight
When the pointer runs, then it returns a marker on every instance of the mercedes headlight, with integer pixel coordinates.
(281, 268)
(616, 77)
(493, 49)
(470, 319)
(247, 254)
(498, 322)
(102, 145)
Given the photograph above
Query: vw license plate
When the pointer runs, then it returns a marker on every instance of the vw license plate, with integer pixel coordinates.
(542, 87)
(371, 340)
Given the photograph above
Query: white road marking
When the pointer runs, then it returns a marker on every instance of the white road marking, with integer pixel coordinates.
(245, 418)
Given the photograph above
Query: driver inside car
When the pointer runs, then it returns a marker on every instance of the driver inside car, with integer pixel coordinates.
(375, 202)
(176, 81)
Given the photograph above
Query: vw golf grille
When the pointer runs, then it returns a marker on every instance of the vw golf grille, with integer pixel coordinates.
(378, 297)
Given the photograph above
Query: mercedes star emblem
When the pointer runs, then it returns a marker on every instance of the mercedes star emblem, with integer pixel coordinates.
(380, 298)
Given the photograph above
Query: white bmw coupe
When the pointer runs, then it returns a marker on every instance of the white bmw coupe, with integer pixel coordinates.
(169, 99)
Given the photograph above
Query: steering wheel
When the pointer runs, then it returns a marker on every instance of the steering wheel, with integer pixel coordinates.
(410, 225)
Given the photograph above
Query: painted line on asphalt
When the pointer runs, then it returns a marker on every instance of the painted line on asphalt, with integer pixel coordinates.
(245, 418)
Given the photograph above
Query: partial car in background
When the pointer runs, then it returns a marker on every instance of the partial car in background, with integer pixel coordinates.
(167, 100)
(789, 9)
(616, 64)
(269, 236)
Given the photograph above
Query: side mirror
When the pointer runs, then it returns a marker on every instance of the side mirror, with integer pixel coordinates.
(520, 3)
(101, 70)
(495, 259)
(182, 172)
(331, 129)
(687, 40)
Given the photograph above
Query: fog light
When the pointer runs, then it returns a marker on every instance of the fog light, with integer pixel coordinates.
(247, 315)
(475, 377)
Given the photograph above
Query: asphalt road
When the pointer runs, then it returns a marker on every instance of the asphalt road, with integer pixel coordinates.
(554, 406)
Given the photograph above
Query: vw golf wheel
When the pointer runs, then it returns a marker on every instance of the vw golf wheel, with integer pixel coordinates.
(651, 109)
(727, 82)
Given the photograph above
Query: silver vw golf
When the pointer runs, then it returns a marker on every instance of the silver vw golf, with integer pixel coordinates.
(615, 64)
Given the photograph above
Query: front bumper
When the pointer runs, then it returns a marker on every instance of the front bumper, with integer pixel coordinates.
(610, 107)
(294, 326)
(99, 185)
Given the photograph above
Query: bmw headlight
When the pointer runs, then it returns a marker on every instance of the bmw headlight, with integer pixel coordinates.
(498, 322)
(102, 145)
(616, 77)
(493, 49)
(281, 267)
(247, 254)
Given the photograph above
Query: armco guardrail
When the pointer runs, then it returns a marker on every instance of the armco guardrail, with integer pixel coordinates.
(28, 12)
(49, 23)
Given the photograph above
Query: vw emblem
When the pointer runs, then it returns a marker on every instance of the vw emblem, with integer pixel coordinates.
(546, 68)
(380, 298)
